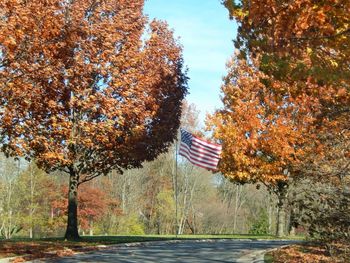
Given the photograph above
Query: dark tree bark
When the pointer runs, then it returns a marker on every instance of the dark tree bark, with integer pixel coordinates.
(72, 224)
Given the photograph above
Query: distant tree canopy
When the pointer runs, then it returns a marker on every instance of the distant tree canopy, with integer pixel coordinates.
(83, 89)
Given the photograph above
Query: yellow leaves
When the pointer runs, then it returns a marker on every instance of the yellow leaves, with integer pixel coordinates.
(88, 143)
(240, 13)
(69, 72)
(309, 51)
(334, 63)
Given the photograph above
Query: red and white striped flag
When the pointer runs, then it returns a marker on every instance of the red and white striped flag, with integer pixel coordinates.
(199, 152)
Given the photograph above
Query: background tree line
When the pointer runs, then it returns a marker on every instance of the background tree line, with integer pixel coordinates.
(140, 201)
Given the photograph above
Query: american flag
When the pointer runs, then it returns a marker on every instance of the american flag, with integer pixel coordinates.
(199, 152)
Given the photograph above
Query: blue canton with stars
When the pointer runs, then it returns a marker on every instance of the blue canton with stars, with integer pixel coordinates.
(186, 138)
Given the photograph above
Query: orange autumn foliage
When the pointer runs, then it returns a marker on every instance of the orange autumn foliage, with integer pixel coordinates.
(292, 26)
(303, 47)
(82, 87)
(93, 205)
(262, 134)
(302, 41)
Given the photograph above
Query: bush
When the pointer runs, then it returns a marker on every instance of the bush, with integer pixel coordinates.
(260, 226)
(130, 225)
(324, 210)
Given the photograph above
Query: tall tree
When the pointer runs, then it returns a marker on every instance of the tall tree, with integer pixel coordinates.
(264, 136)
(83, 90)
(303, 47)
(304, 44)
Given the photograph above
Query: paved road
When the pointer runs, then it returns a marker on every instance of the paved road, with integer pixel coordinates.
(169, 252)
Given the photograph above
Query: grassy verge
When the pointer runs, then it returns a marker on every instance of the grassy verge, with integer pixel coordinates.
(268, 258)
(128, 239)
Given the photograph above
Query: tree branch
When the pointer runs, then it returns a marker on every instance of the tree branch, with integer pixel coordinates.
(347, 31)
(89, 178)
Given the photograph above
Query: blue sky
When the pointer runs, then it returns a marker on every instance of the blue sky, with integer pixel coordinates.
(206, 33)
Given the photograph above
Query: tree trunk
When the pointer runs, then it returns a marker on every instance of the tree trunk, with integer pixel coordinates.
(292, 231)
(72, 222)
(292, 223)
(91, 230)
(32, 209)
(236, 208)
(270, 215)
(281, 216)
(280, 221)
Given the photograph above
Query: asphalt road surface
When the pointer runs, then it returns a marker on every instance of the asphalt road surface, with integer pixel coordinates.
(183, 251)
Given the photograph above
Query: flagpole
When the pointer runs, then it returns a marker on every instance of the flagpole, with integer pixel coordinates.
(176, 191)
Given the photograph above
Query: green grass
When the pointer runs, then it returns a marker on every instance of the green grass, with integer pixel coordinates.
(128, 239)
(268, 258)
(118, 239)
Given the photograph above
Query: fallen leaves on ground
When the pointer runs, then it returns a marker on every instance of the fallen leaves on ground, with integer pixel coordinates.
(313, 252)
(41, 249)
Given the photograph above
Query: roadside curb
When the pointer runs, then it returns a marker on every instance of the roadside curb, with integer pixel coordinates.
(274, 249)
(258, 255)
(6, 260)
(254, 257)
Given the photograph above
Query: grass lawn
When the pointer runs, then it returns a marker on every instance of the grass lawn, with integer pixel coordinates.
(268, 258)
(53, 247)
